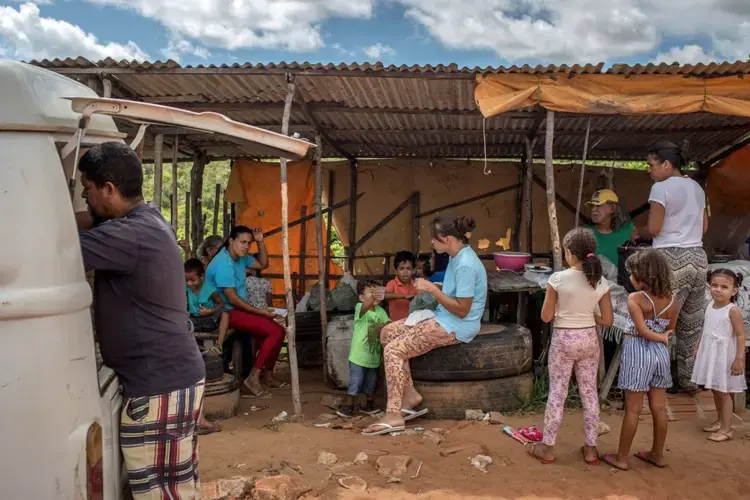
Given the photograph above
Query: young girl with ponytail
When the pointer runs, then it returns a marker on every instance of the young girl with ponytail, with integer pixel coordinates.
(571, 299)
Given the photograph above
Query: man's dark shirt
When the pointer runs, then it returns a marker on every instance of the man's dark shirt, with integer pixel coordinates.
(139, 303)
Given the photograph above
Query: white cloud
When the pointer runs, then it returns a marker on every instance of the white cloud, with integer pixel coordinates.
(292, 25)
(583, 30)
(379, 50)
(687, 54)
(177, 47)
(27, 35)
(339, 48)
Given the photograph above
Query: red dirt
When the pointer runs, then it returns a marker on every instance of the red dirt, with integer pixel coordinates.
(697, 468)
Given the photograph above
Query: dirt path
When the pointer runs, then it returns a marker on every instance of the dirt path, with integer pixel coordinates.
(697, 468)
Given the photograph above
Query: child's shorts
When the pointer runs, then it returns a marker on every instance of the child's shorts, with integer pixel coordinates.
(362, 380)
(206, 324)
(645, 364)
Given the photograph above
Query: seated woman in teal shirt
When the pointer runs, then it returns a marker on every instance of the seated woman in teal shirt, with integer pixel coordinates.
(457, 319)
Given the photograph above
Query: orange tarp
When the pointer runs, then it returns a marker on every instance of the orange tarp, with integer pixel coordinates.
(256, 189)
(729, 184)
(613, 94)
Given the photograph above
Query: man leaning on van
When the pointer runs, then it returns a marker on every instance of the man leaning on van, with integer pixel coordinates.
(142, 324)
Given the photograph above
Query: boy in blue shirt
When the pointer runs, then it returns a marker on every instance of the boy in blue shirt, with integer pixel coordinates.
(204, 304)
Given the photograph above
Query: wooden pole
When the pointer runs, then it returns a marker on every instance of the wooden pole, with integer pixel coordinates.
(516, 240)
(527, 192)
(217, 200)
(225, 215)
(106, 88)
(549, 170)
(583, 169)
(329, 229)
(158, 155)
(290, 327)
(200, 159)
(187, 216)
(319, 241)
(415, 223)
(302, 251)
(175, 161)
(352, 214)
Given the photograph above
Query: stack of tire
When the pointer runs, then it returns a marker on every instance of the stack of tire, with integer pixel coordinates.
(222, 395)
(490, 373)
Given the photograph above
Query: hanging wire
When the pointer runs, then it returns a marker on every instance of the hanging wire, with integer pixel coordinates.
(484, 141)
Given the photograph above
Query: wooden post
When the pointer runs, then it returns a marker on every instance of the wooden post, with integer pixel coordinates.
(549, 170)
(386, 268)
(158, 155)
(583, 169)
(225, 216)
(175, 161)
(187, 216)
(290, 328)
(527, 192)
(217, 200)
(302, 251)
(352, 213)
(516, 239)
(329, 229)
(106, 88)
(319, 240)
(200, 159)
(415, 225)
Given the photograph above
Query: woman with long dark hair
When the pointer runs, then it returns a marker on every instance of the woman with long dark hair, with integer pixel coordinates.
(677, 221)
(457, 319)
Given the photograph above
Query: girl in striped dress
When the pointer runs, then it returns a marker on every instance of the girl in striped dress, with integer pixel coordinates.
(645, 364)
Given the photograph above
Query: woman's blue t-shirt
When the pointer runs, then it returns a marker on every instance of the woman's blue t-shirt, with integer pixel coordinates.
(225, 272)
(465, 277)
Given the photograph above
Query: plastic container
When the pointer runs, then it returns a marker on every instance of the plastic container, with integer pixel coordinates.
(513, 261)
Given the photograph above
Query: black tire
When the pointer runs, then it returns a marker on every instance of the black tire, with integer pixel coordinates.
(506, 353)
(214, 367)
(450, 400)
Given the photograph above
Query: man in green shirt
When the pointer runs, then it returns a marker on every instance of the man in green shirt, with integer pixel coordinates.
(611, 227)
(366, 350)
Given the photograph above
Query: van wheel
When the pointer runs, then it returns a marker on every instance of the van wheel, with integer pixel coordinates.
(214, 367)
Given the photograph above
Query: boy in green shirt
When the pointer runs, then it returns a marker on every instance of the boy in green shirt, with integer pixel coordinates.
(366, 351)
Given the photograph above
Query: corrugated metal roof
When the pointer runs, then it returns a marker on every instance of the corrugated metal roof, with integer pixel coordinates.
(373, 110)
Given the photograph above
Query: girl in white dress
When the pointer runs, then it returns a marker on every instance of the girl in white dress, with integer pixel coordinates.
(720, 358)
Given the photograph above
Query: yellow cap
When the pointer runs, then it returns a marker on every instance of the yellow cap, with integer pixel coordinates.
(603, 196)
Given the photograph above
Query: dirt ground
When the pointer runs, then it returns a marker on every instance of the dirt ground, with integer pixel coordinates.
(697, 468)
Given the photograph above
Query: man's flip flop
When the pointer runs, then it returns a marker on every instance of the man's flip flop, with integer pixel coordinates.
(609, 459)
(642, 455)
(247, 393)
(530, 452)
(412, 414)
(386, 429)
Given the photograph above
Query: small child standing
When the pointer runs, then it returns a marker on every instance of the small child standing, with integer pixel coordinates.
(571, 299)
(422, 267)
(645, 365)
(720, 353)
(204, 304)
(400, 290)
(366, 351)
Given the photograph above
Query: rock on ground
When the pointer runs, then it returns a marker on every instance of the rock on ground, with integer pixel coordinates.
(603, 428)
(497, 418)
(331, 401)
(325, 458)
(280, 488)
(474, 415)
(481, 462)
(236, 488)
(393, 465)
(361, 458)
(433, 437)
(353, 483)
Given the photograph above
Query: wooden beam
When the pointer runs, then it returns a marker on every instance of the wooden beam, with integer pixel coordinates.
(527, 192)
(175, 161)
(200, 159)
(329, 229)
(290, 326)
(640, 210)
(380, 225)
(158, 158)
(307, 113)
(549, 169)
(725, 151)
(217, 199)
(352, 213)
(415, 222)
(319, 242)
(302, 249)
(583, 170)
(310, 216)
(106, 88)
(516, 239)
(187, 217)
(224, 215)
(469, 200)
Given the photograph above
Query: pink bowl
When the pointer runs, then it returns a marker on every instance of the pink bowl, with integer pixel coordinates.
(513, 261)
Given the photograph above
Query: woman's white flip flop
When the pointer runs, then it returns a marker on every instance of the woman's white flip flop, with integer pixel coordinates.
(412, 414)
(386, 429)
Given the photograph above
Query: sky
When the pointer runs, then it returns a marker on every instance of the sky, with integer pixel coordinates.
(469, 32)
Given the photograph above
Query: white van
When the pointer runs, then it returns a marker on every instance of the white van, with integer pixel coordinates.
(60, 408)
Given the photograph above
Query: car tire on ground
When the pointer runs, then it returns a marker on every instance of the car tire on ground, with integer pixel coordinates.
(500, 350)
(214, 367)
(450, 400)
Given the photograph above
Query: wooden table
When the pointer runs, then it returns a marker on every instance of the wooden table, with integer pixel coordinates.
(510, 282)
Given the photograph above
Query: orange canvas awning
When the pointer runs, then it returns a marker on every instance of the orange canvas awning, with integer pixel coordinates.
(613, 94)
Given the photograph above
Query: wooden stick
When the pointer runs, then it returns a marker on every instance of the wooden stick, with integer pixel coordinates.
(306, 218)
(611, 373)
(175, 161)
(106, 88)
(380, 225)
(516, 245)
(415, 223)
(468, 200)
(527, 193)
(386, 269)
(302, 249)
(549, 169)
(319, 241)
(329, 229)
(225, 215)
(187, 217)
(290, 327)
(217, 199)
(352, 214)
(583, 169)
(158, 156)
(200, 159)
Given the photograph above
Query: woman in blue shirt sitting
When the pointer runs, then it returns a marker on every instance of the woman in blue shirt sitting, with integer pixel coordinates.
(457, 319)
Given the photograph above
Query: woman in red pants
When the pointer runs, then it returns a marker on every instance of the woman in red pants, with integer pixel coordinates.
(227, 273)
